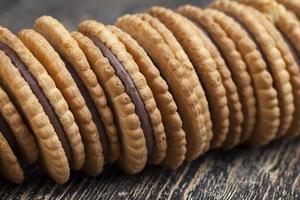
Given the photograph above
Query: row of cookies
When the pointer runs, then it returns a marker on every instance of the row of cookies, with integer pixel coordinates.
(158, 88)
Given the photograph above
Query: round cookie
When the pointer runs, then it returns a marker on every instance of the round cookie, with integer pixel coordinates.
(275, 63)
(266, 96)
(234, 105)
(238, 69)
(293, 5)
(100, 140)
(205, 67)
(178, 72)
(10, 167)
(131, 135)
(234, 61)
(10, 148)
(135, 85)
(175, 135)
(54, 103)
(183, 58)
(25, 142)
(43, 52)
(26, 92)
(289, 39)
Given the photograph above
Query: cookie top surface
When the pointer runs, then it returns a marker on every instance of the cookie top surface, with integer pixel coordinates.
(205, 67)
(94, 39)
(27, 146)
(261, 79)
(10, 167)
(175, 135)
(292, 66)
(135, 85)
(131, 90)
(216, 42)
(42, 50)
(39, 93)
(234, 61)
(15, 77)
(177, 70)
(86, 80)
(264, 132)
(293, 5)
(283, 19)
(280, 72)
(159, 135)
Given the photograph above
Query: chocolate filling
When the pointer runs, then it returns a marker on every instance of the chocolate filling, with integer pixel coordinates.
(91, 106)
(7, 133)
(37, 90)
(12, 142)
(131, 90)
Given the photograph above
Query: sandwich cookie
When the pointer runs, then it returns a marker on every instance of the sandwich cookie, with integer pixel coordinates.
(240, 75)
(293, 5)
(275, 63)
(69, 134)
(178, 72)
(182, 57)
(289, 34)
(16, 142)
(135, 85)
(175, 135)
(133, 156)
(234, 105)
(24, 144)
(262, 82)
(99, 132)
(33, 91)
(205, 67)
(41, 49)
(10, 167)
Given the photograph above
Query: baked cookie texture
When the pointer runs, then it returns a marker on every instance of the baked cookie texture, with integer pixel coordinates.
(214, 36)
(161, 87)
(176, 68)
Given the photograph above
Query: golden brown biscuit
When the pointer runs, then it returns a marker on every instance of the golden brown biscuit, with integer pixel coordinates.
(135, 152)
(103, 134)
(175, 136)
(262, 82)
(293, 5)
(22, 87)
(138, 90)
(205, 67)
(27, 147)
(10, 167)
(61, 117)
(284, 19)
(286, 41)
(42, 50)
(57, 108)
(275, 63)
(234, 61)
(241, 88)
(175, 67)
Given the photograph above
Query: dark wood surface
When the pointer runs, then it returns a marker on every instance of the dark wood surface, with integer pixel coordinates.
(268, 173)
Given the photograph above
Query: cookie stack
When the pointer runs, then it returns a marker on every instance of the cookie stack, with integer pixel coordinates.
(157, 88)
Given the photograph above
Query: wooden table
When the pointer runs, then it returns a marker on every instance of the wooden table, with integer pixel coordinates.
(270, 173)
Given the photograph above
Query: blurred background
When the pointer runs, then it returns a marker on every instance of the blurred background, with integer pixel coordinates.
(19, 14)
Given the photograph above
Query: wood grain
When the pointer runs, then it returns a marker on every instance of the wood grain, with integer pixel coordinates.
(268, 173)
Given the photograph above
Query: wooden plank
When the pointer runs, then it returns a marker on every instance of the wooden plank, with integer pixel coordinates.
(271, 172)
